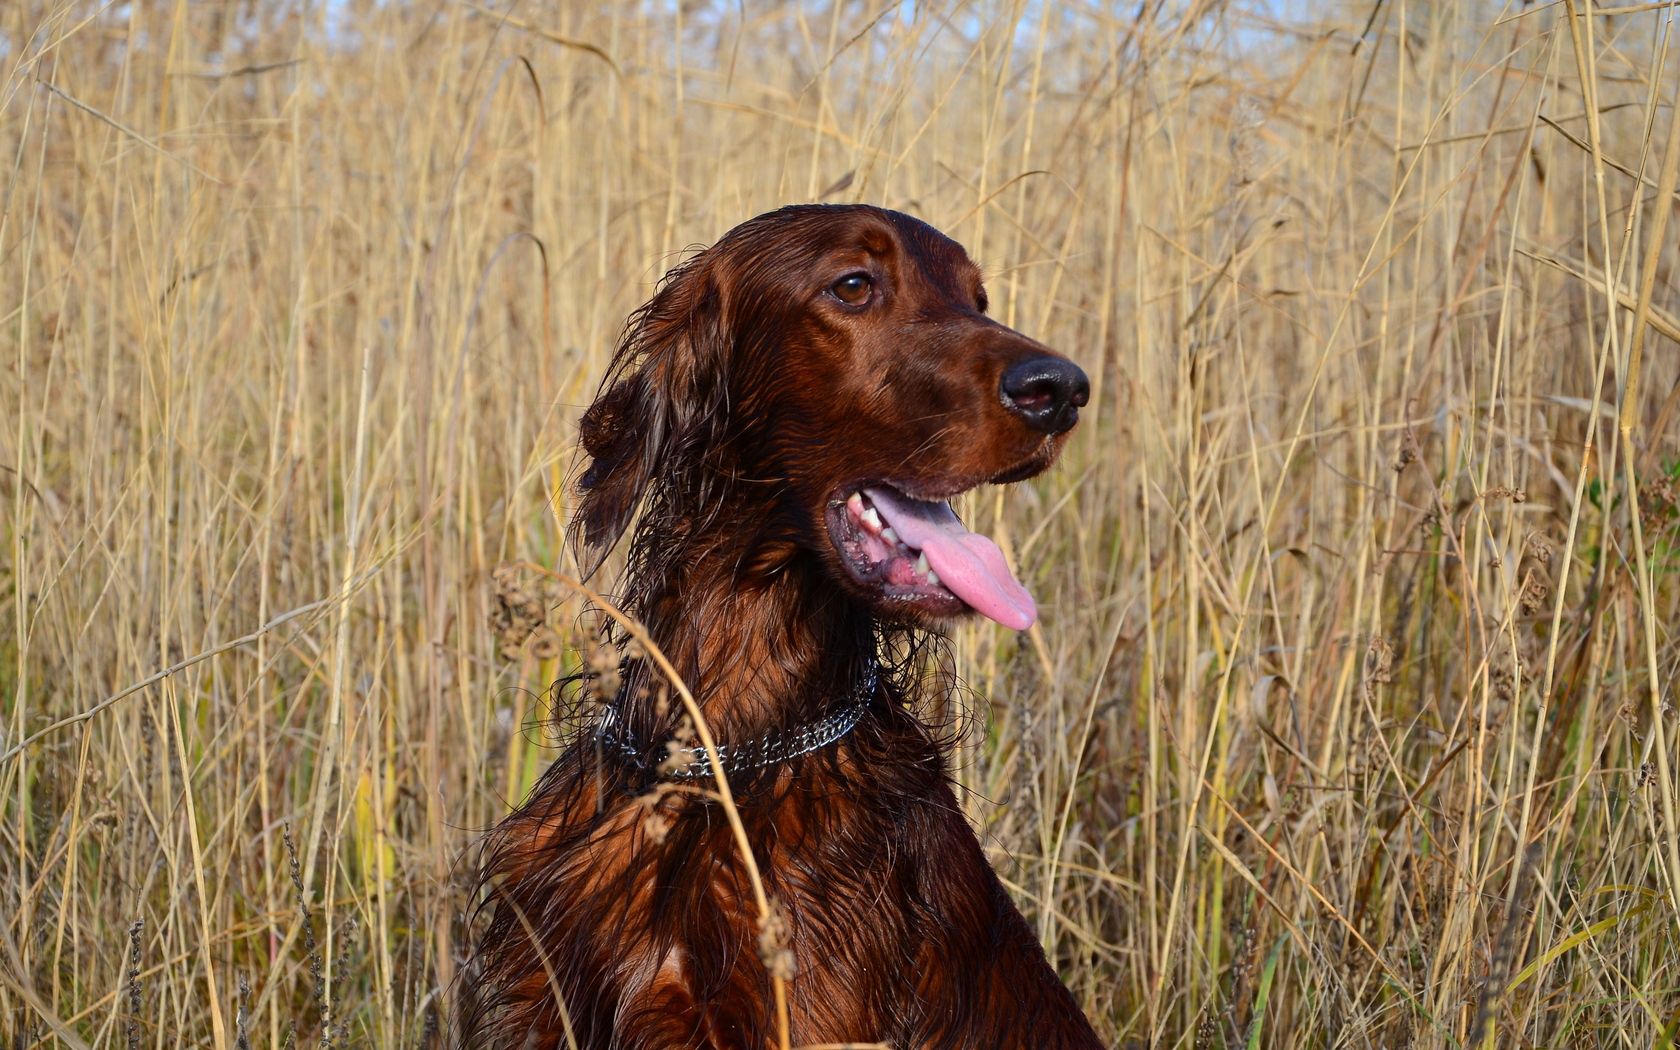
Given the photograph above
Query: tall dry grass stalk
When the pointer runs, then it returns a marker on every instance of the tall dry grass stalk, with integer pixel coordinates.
(1349, 719)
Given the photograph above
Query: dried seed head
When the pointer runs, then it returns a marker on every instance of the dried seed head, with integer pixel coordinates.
(545, 643)
(655, 823)
(656, 827)
(1408, 451)
(1379, 661)
(515, 613)
(773, 931)
(679, 747)
(603, 663)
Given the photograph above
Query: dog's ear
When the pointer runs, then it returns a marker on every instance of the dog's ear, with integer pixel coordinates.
(647, 421)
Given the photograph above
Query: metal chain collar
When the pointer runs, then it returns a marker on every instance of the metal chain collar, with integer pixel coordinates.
(778, 745)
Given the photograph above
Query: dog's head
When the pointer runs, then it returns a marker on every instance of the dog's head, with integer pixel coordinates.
(833, 369)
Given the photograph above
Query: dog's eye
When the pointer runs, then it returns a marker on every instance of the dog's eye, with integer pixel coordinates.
(853, 289)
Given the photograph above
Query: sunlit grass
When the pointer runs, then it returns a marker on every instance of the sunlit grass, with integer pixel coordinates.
(1348, 719)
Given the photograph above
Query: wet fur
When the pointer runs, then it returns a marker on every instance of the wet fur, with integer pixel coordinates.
(737, 401)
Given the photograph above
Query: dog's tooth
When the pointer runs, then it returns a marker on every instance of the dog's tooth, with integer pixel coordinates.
(933, 578)
(889, 535)
(922, 564)
(854, 503)
(872, 518)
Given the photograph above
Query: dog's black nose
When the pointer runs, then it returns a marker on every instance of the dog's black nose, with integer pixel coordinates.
(1047, 392)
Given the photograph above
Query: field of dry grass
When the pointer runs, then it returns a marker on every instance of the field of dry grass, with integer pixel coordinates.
(1348, 722)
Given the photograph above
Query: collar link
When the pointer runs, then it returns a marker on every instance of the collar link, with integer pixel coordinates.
(778, 745)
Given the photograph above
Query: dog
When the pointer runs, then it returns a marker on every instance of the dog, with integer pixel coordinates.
(785, 422)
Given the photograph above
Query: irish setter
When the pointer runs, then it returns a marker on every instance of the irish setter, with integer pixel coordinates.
(789, 414)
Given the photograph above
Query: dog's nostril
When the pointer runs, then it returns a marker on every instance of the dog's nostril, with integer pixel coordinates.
(1046, 392)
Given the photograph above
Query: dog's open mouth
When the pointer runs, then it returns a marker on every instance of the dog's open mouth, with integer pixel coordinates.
(918, 553)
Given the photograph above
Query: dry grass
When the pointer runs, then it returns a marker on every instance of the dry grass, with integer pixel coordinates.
(1348, 722)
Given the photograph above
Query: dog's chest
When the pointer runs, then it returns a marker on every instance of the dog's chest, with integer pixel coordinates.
(856, 909)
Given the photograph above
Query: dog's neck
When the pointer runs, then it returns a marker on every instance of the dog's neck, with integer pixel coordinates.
(761, 650)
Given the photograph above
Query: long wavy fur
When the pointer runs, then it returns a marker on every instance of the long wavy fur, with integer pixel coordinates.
(615, 909)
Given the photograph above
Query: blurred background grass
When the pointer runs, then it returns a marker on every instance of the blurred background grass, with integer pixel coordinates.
(1348, 721)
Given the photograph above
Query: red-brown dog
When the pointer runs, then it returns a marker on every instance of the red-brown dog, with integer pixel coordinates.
(791, 413)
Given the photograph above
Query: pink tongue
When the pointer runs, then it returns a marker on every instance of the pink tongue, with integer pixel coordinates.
(969, 564)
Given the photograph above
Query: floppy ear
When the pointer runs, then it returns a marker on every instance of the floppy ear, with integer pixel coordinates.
(664, 386)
